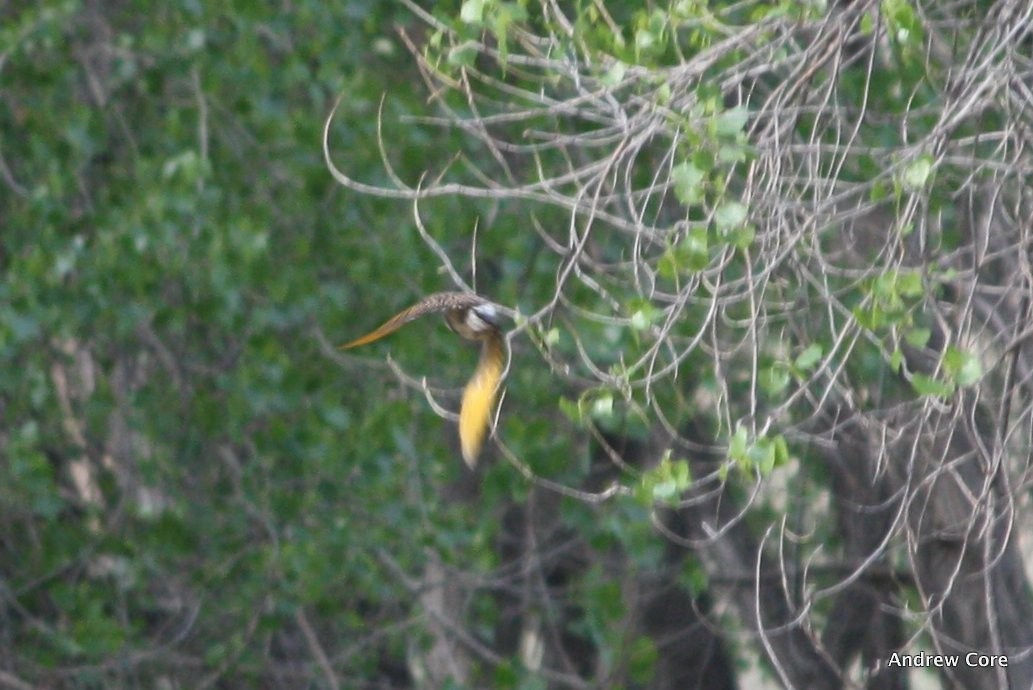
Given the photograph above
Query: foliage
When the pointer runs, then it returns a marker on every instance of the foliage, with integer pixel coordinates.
(177, 467)
(770, 235)
(767, 267)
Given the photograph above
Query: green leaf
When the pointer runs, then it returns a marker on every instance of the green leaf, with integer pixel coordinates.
(781, 450)
(336, 417)
(867, 24)
(774, 379)
(690, 255)
(909, 283)
(472, 11)
(722, 471)
(614, 75)
(682, 473)
(811, 355)
(645, 40)
(742, 237)
(642, 660)
(643, 492)
(663, 94)
(572, 411)
(697, 249)
(463, 55)
(643, 314)
(651, 36)
(668, 266)
(665, 482)
(737, 444)
(731, 153)
(506, 13)
(917, 337)
(602, 407)
(687, 180)
(770, 453)
(187, 166)
(902, 20)
(731, 122)
(971, 371)
(916, 174)
(665, 490)
(927, 385)
(729, 215)
(763, 455)
(961, 367)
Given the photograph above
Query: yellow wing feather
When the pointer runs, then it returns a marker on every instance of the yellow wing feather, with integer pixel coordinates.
(479, 398)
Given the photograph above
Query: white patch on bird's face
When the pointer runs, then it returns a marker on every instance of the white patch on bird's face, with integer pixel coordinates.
(481, 318)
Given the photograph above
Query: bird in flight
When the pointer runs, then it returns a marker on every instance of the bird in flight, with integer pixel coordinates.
(473, 318)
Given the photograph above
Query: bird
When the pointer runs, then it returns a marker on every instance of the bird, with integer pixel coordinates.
(474, 318)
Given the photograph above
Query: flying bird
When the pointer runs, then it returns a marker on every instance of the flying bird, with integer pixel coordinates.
(473, 318)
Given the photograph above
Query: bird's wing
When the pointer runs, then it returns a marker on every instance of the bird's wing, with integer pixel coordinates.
(479, 397)
(431, 304)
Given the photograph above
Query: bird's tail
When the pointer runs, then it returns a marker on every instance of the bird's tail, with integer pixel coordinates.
(479, 398)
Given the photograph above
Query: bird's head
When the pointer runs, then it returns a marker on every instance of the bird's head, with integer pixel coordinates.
(474, 323)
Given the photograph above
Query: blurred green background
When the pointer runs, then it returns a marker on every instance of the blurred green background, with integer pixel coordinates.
(198, 491)
(184, 468)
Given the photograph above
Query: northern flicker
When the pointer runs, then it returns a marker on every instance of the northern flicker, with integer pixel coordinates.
(473, 318)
